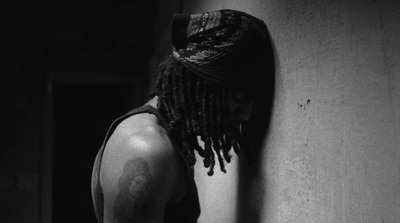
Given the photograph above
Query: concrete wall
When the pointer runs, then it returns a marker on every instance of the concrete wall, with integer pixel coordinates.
(332, 153)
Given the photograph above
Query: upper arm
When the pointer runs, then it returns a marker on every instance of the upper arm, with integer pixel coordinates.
(138, 176)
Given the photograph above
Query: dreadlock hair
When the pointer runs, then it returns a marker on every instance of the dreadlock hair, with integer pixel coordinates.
(194, 108)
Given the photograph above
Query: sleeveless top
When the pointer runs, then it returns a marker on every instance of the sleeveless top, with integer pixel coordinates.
(186, 210)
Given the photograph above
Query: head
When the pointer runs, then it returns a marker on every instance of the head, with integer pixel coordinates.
(206, 85)
(199, 109)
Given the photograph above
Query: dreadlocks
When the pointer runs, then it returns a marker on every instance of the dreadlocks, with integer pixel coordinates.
(196, 108)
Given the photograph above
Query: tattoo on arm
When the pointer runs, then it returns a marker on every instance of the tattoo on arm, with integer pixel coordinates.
(134, 185)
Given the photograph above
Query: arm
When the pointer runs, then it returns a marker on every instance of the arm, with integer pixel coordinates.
(138, 176)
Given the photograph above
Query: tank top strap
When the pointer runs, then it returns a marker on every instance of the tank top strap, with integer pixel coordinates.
(150, 109)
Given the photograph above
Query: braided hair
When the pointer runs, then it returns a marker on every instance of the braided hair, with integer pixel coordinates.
(196, 109)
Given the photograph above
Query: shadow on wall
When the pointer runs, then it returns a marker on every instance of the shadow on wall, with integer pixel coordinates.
(251, 184)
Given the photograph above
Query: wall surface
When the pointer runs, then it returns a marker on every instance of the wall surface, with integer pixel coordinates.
(332, 153)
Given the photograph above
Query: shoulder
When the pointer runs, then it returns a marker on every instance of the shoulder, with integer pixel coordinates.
(141, 134)
(140, 137)
(140, 161)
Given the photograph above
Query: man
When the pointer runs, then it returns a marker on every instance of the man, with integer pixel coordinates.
(144, 170)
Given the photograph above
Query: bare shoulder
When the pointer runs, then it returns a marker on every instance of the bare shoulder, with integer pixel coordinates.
(143, 132)
(140, 171)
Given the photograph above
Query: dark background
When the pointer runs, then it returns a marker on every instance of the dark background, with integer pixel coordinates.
(68, 69)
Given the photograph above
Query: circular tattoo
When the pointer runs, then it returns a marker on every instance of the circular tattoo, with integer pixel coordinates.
(139, 185)
(134, 185)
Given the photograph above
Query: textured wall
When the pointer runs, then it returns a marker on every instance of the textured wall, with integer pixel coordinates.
(332, 153)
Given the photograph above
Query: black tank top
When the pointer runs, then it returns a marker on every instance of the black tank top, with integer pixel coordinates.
(187, 210)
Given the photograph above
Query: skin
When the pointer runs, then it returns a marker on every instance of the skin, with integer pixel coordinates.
(141, 172)
(134, 186)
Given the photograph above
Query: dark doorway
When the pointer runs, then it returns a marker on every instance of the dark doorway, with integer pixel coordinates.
(82, 115)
